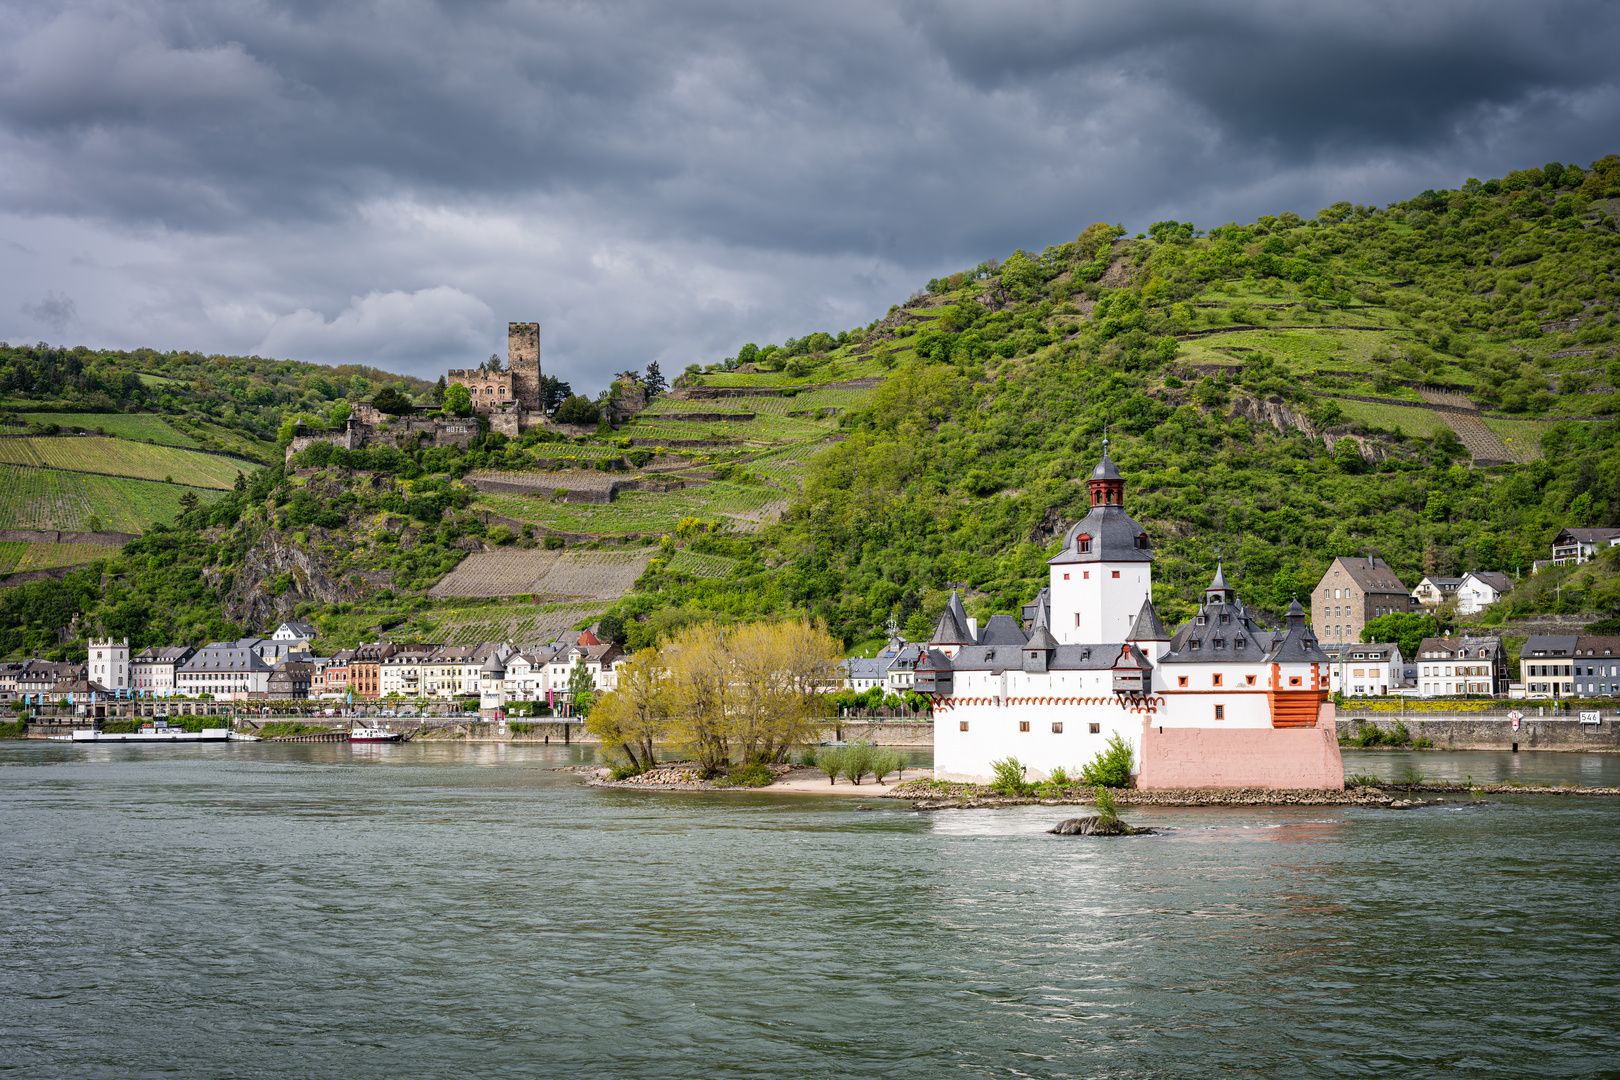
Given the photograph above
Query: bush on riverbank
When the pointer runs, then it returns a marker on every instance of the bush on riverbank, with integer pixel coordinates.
(13, 729)
(1371, 735)
(853, 762)
(1113, 765)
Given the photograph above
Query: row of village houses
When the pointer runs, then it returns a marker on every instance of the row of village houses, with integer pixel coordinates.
(283, 667)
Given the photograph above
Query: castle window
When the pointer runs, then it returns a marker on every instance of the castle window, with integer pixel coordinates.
(1181, 680)
(1220, 643)
(963, 727)
(1293, 680)
(1217, 680)
(1096, 729)
(1220, 712)
(1238, 644)
(1057, 728)
(1065, 577)
(1116, 573)
(1141, 540)
(1250, 679)
(1082, 543)
(1023, 725)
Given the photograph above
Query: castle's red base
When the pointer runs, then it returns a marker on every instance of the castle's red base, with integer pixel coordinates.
(1305, 757)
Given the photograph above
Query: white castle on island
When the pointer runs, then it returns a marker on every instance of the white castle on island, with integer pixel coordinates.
(1222, 702)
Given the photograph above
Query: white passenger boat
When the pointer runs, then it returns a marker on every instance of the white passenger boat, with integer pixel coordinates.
(160, 731)
(361, 733)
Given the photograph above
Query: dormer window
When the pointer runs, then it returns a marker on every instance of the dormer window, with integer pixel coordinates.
(1199, 620)
(1141, 541)
(1220, 643)
(1238, 644)
(1225, 619)
(1193, 644)
(1082, 544)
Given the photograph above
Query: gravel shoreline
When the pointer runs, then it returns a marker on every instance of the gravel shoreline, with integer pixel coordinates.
(925, 797)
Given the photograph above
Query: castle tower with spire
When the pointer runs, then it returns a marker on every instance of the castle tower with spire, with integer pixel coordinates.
(1104, 574)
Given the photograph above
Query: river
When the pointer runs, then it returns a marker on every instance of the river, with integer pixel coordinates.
(321, 910)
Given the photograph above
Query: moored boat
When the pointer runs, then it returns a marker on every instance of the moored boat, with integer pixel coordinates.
(363, 734)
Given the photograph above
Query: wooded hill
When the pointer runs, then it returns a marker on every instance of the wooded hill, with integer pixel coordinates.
(1430, 381)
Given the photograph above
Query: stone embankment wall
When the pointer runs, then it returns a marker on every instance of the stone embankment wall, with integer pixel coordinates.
(1464, 732)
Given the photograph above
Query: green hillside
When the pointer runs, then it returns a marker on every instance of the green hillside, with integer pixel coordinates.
(1432, 381)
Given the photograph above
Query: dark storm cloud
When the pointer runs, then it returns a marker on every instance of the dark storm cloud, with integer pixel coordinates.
(379, 181)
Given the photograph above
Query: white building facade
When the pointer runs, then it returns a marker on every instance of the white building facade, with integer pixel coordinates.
(1098, 662)
(108, 663)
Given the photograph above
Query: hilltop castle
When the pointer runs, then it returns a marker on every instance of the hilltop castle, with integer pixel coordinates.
(515, 389)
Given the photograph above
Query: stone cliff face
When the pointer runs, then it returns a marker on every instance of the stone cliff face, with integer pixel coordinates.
(275, 562)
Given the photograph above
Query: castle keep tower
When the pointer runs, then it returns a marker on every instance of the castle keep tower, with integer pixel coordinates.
(523, 361)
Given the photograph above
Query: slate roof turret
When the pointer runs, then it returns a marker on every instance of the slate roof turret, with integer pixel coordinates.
(1147, 626)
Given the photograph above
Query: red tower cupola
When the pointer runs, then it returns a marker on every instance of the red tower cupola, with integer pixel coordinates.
(1107, 486)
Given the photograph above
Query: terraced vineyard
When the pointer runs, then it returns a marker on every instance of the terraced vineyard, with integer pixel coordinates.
(65, 501)
(714, 566)
(1411, 419)
(1522, 438)
(140, 427)
(10, 552)
(47, 556)
(643, 513)
(120, 457)
(582, 575)
(524, 625)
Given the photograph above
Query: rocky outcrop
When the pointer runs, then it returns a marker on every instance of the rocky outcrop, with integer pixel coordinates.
(1097, 826)
(276, 563)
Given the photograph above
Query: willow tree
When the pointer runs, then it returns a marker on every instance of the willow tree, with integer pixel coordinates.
(636, 714)
(748, 693)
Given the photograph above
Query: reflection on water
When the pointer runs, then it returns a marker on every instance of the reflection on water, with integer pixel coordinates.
(1489, 766)
(429, 911)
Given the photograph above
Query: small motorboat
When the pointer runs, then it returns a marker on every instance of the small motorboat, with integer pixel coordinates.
(361, 733)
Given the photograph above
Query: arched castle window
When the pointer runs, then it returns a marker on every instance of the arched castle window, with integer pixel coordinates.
(1082, 543)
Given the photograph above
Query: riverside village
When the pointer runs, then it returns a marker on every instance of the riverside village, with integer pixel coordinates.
(1088, 671)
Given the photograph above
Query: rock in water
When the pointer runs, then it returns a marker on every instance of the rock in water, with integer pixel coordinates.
(1096, 826)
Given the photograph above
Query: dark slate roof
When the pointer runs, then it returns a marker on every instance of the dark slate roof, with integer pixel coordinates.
(1040, 635)
(1195, 643)
(1147, 626)
(1295, 646)
(1587, 536)
(953, 624)
(1546, 644)
(1494, 578)
(1371, 650)
(1059, 657)
(1041, 638)
(1113, 535)
(1043, 600)
(1371, 573)
(1597, 646)
(1002, 630)
(227, 656)
(1218, 584)
(1106, 469)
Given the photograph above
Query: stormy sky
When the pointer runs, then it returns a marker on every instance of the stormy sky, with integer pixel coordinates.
(390, 182)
